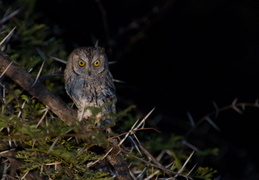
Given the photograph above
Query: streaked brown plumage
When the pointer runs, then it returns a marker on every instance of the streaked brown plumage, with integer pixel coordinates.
(89, 82)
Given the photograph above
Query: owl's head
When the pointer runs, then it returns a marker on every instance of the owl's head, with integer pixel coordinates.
(90, 62)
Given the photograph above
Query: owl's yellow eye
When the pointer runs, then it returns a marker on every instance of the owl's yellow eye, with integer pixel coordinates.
(81, 63)
(97, 63)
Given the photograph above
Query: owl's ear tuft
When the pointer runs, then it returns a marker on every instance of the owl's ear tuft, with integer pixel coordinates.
(96, 43)
(102, 50)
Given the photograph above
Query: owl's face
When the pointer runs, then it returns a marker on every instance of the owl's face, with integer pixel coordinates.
(90, 62)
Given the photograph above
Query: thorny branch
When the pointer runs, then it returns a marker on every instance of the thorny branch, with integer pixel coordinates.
(238, 107)
(36, 89)
(57, 106)
(168, 171)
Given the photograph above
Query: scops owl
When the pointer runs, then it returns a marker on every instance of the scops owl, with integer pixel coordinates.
(89, 82)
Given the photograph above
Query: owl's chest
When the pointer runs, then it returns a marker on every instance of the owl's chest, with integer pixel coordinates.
(90, 87)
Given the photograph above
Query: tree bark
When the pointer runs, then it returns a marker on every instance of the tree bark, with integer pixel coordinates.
(38, 90)
(116, 159)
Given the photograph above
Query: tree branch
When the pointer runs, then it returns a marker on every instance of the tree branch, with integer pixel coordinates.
(56, 105)
(38, 90)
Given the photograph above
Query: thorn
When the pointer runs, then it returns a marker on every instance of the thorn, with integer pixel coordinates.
(234, 102)
(135, 145)
(171, 165)
(3, 93)
(161, 154)
(212, 123)
(136, 138)
(59, 60)
(8, 36)
(6, 69)
(144, 119)
(52, 146)
(96, 43)
(140, 174)
(106, 154)
(10, 15)
(243, 107)
(30, 70)
(194, 148)
(185, 163)
(237, 110)
(118, 81)
(22, 107)
(129, 132)
(112, 62)
(216, 109)
(42, 55)
(45, 113)
(38, 75)
(188, 174)
(191, 119)
(25, 174)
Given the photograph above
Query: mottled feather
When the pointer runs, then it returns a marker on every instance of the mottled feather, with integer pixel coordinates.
(89, 82)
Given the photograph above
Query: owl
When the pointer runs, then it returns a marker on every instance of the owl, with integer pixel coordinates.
(89, 82)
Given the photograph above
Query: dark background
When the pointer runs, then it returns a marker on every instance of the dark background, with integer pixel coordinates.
(178, 56)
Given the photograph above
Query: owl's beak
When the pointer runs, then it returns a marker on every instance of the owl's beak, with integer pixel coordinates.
(89, 72)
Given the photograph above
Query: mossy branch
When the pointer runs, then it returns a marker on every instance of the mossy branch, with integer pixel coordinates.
(36, 89)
